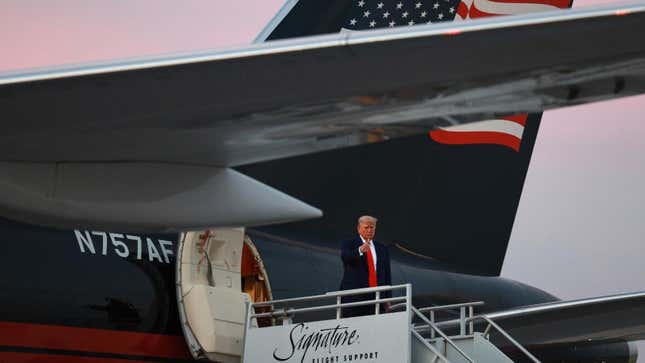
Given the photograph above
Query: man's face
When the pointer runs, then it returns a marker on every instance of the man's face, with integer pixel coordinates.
(367, 230)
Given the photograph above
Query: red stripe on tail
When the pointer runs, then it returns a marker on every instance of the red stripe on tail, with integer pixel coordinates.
(520, 119)
(563, 4)
(475, 137)
(475, 13)
(462, 10)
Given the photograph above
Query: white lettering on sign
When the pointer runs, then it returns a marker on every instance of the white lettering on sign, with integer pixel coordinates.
(125, 246)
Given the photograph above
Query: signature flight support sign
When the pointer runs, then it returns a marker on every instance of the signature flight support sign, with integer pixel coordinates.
(376, 338)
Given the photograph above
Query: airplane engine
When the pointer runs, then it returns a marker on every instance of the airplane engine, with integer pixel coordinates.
(584, 352)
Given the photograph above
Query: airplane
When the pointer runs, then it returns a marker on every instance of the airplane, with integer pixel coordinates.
(87, 293)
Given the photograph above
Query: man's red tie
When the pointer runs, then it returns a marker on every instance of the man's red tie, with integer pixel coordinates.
(370, 268)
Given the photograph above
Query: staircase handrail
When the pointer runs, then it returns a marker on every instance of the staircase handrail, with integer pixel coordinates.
(463, 316)
(429, 346)
(491, 323)
(442, 334)
(286, 313)
(328, 295)
(292, 311)
(451, 306)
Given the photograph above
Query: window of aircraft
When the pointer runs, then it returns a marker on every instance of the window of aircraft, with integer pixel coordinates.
(219, 272)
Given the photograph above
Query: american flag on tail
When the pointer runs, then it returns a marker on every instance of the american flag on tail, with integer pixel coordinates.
(505, 131)
(371, 14)
(472, 9)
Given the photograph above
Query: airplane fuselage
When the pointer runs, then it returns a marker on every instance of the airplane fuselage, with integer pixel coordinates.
(73, 294)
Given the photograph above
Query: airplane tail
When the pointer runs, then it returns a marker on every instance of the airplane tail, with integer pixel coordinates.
(306, 18)
(449, 196)
(299, 18)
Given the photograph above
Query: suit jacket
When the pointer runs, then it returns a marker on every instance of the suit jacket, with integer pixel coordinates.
(355, 274)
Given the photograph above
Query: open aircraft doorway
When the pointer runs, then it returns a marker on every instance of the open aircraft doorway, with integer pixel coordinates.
(218, 273)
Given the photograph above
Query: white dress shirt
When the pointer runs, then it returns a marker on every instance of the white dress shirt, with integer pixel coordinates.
(371, 249)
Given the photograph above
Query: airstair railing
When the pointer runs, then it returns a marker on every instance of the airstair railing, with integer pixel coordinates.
(286, 314)
(467, 319)
(465, 323)
(435, 328)
(429, 346)
(466, 311)
(492, 324)
(317, 314)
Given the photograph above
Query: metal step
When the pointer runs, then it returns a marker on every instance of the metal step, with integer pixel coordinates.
(476, 347)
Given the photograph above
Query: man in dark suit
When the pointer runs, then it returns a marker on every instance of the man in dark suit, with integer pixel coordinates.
(366, 263)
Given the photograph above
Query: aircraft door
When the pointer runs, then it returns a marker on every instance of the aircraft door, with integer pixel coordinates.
(214, 269)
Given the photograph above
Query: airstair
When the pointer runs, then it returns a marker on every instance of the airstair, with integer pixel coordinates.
(311, 329)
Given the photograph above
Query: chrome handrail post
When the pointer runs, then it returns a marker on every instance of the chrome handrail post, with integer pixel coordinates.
(408, 300)
(487, 331)
(408, 303)
(247, 326)
(462, 320)
(377, 310)
(287, 317)
(338, 301)
(432, 333)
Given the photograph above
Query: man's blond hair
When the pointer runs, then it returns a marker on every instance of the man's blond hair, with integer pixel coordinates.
(367, 219)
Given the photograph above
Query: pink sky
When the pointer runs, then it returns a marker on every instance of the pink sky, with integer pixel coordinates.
(41, 33)
(583, 154)
(579, 229)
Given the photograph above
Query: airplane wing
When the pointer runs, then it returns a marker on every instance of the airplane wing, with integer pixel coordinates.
(608, 318)
(588, 328)
(290, 97)
(148, 143)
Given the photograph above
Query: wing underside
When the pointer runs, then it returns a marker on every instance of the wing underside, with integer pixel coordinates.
(291, 97)
(603, 319)
(204, 113)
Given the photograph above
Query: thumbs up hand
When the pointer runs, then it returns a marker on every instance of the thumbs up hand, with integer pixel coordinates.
(364, 247)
